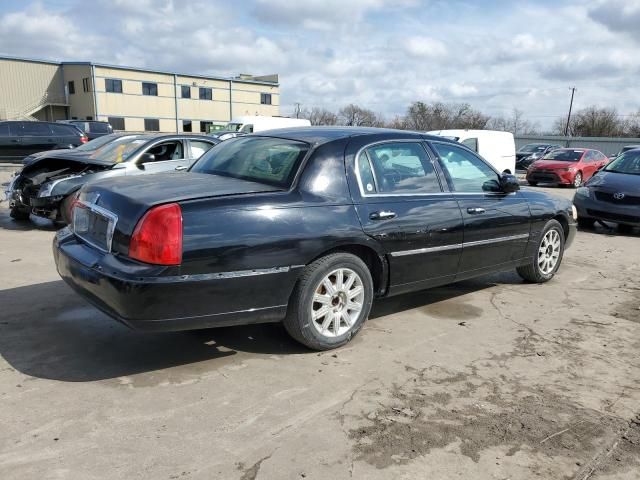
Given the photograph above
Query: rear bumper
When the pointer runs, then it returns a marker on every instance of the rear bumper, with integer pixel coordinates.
(141, 297)
(598, 210)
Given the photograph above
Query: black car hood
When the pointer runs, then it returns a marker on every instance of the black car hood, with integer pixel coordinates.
(82, 157)
(615, 182)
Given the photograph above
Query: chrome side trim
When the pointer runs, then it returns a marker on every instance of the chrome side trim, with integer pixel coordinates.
(418, 251)
(496, 240)
(454, 246)
(218, 276)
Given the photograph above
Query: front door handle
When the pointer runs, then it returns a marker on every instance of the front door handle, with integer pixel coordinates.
(383, 215)
(181, 167)
(475, 211)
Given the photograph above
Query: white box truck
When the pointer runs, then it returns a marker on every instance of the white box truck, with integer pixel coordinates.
(498, 148)
(256, 123)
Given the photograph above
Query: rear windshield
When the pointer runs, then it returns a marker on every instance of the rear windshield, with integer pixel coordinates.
(628, 162)
(273, 161)
(564, 155)
(119, 150)
(97, 127)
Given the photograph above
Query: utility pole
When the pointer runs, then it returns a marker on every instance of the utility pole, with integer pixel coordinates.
(297, 109)
(566, 129)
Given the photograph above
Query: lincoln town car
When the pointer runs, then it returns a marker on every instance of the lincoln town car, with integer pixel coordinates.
(305, 226)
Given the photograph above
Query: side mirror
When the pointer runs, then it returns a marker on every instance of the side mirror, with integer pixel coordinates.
(509, 183)
(144, 158)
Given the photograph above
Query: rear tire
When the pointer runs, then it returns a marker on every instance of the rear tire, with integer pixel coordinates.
(548, 255)
(330, 302)
(19, 213)
(533, 184)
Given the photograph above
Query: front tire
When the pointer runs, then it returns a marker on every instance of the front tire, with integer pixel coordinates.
(577, 180)
(624, 228)
(19, 213)
(548, 256)
(533, 184)
(330, 302)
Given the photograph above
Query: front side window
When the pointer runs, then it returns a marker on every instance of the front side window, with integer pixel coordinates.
(265, 98)
(165, 151)
(64, 130)
(150, 89)
(151, 125)
(467, 172)
(185, 91)
(206, 94)
(399, 168)
(112, 85)
(272, 161)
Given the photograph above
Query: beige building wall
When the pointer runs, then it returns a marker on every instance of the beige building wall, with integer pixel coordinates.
(27, 86)
(81, 104)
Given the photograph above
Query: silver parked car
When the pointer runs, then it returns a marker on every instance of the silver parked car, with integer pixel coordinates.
(46, 184)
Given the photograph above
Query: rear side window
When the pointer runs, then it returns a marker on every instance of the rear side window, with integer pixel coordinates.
(400, 168)
(66, 130)
(36, 129)
(98, 127)
(199, 147)
(4, 129)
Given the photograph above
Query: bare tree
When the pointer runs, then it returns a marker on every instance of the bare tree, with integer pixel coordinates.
(515, 124)
(593, 122)
(440, 116)
(355, 116)
(632, 125)
(319, 116)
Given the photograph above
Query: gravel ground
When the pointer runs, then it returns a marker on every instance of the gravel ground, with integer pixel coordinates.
(485, 379)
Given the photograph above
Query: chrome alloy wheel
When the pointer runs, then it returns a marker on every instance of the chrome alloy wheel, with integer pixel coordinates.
(549, 252)
(337, 302)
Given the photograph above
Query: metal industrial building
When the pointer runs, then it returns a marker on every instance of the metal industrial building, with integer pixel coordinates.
(131, 99)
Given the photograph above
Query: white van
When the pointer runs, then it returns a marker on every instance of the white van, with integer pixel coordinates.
(255, 123)
(498, 148)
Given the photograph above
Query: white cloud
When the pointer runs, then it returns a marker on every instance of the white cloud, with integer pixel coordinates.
(425, 47)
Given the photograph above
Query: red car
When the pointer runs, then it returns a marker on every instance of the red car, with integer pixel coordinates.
(566, 166)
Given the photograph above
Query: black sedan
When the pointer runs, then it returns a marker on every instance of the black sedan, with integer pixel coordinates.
(305, 226)
(612, 194)
(529, 153)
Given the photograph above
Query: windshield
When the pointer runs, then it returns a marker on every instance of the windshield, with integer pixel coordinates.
(273, 161)
(119, 150)
(532, 147)
(564, 155)
(628, 162)
(97, 143)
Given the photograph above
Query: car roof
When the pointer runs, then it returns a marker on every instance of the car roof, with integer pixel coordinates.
(319, 135)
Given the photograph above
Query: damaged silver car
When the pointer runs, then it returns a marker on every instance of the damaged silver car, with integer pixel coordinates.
(46, 184)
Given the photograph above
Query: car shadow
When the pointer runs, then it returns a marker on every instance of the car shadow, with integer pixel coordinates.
(34, 223)
(611, 230)
(47, 331)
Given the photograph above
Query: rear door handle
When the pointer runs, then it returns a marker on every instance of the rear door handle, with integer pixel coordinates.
(475, 211)
(383, 215)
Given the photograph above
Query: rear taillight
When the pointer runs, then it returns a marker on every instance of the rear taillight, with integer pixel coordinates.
(157, 237)
(84, 139)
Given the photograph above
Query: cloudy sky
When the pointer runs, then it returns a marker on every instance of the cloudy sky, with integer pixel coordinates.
(380, 54)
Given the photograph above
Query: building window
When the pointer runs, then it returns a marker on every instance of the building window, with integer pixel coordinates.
(151, 125)
(150, 89)
(71, 87)
(206, 94)
(117, 123)
(204, 126)
(113, 86)
(265, 99)
(86, 84)
(186, 91)
(89, 117)
(187, 126)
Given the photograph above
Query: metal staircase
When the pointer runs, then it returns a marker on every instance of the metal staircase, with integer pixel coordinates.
(27, 112)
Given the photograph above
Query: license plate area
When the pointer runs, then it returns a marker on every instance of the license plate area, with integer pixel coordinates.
(94, 225)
